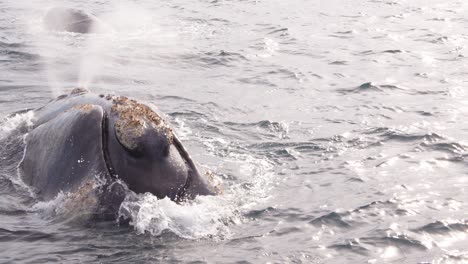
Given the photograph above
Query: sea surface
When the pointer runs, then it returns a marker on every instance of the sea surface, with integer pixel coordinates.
(337, 128)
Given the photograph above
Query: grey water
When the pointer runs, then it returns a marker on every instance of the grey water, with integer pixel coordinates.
(337, 128)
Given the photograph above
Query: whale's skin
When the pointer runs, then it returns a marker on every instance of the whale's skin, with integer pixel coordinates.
(83, 139)
(71, 20)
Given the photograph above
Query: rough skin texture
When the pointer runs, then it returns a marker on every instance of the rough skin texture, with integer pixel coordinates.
(134, 119)
(86, 108)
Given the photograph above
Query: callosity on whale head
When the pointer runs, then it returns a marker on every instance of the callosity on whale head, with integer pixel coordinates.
(82, 137)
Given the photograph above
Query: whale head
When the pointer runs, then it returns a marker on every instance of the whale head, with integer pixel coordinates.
(144, 152)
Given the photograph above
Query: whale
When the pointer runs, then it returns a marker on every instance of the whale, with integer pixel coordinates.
(63, 19)
(98, 147)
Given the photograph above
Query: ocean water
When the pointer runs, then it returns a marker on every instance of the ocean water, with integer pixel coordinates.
(337, 129)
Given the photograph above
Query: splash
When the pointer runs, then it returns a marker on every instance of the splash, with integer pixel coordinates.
(205, 217)
(79, 206)
(9, 124)
(67, 207)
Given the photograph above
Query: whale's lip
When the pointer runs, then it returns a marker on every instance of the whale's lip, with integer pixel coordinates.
(181, 194)
(105, 148)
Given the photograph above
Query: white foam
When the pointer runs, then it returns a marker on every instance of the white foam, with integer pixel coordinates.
(183, 132)
(206, 216)
(75, 206)
(11, 123)
(50, 208)
(270, 48)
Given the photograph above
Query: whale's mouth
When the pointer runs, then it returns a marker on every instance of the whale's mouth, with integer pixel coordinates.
(191, 165)
(105, 148)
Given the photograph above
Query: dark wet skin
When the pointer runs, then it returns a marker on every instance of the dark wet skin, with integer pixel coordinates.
(81, 136)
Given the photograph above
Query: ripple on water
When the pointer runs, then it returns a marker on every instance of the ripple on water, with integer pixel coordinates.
(444, 227)
(372, 87)
(24, 235)
(215, 59)
(391, 134)
(333, 219)
(264, 128)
